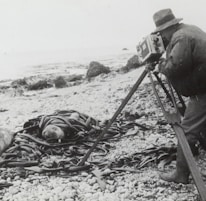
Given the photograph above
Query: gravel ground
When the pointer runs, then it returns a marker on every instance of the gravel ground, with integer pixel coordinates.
(102, 97)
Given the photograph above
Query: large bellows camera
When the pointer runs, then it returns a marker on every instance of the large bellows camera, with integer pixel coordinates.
(150, 49)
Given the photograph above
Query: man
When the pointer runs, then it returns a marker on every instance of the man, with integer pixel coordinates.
(185, 67)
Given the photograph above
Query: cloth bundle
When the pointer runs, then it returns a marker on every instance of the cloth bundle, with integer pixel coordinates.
(64, 124)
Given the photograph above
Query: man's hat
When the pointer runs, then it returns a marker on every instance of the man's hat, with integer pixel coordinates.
(164, 19)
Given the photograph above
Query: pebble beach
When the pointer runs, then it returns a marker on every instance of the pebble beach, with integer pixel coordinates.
(100, 98)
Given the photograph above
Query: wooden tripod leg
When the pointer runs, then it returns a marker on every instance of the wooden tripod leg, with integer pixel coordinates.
(121, 107)
(190, 161)
(173, 120)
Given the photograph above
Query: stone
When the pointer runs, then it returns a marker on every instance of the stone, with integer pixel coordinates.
(92, 181)
(84, 174)
(60, 82)
(132, 63)
(41, 84)
(73, 78)
(6, 137)
(110, 182)
(2, 181)
(95, 69)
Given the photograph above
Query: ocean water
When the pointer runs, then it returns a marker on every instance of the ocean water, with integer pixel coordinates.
(15, 65)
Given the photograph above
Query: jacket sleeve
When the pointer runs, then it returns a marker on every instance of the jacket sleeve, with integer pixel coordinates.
(179, 58)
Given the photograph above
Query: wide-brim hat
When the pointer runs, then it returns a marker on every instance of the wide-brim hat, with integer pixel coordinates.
(164, 19)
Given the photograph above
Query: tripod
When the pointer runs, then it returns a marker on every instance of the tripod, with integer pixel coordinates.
(172, 118)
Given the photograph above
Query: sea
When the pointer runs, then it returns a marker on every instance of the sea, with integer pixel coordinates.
(16, 65)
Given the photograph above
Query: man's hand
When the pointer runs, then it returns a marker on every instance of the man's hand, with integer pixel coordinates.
(150, 66)
(161, 65)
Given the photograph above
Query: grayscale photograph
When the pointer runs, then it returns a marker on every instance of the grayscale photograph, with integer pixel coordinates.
(102, 100)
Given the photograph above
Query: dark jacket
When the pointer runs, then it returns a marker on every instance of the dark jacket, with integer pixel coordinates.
(186, 60)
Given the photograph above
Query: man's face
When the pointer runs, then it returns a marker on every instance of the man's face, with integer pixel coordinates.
(53, 132)
(165, 37)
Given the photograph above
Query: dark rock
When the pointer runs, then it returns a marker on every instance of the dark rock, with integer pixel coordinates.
(4, 87)
(19, 82)
(124, 48)
(42, 84)
(132, 63)
(60, 82)
(73, 78)
(123, 69)
(3, 110)
(95, 69)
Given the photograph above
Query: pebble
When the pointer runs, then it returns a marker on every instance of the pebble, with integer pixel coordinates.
(2, 181)
(111, 188)
(91, 181)
(106, 171)
(110, 182)
(84, 174)
(17, 182)
(95, 186)
(8, 179)
(89, 176)
(16, 177)
(13, 190)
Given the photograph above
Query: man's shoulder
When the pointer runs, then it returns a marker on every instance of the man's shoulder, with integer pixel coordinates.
(186, 31)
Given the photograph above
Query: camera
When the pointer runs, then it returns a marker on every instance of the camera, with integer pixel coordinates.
(150, 49)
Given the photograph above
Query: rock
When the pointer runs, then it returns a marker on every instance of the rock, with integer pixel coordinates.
(19, 82)
(41, 84)
(91, 181)
(73, 78)
(106, 171)
(60, 82)
(2, 181)
(69, 199)
(112, 188)
(95, 69)
(95, 186)
(110, 182)
(6, 138)
(132, 63)
(16, 177)
(84, 174)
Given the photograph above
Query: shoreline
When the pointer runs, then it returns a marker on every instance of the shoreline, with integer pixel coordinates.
(19, 70)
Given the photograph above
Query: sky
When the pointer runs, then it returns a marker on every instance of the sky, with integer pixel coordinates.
(38, 32)
(44, 25)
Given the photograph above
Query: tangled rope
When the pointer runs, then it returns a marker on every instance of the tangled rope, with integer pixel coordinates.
(35, 153)
(29, 148)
